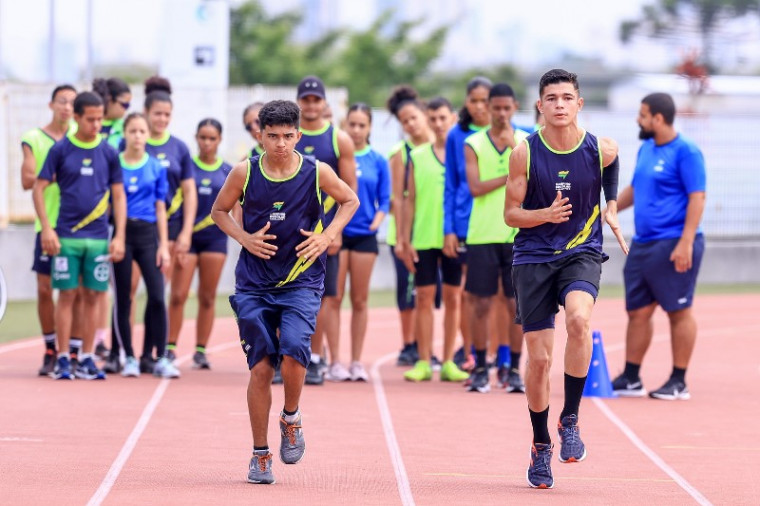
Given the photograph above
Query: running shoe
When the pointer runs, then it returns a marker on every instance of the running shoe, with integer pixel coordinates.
(408, 355)
(131, 368)
(63, 369)
(292, 444)
(502, 376)
(147, 364)
(171, 356)
(86, 369)
(624, 387)
(459, 357)
(260, 468)
(357, 372)
(48, 363)
(435, 363)
(515, 383)
(101, 351)
(277, 378)
(673, 390)
(573, 449)
(420, 372)
(480, 382)
(337, 373)
(165, 369)
(313, 374)
(200, 361)
(113, 365)
(540, 468)
(450, 372)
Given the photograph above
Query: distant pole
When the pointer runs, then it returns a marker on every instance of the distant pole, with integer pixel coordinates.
(51, 41)
(88, 68)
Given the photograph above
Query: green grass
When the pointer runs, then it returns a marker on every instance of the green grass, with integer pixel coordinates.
(21, 321)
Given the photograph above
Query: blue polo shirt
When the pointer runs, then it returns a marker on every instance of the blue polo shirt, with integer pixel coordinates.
(662, 181)
(374, 191)
(145, 183)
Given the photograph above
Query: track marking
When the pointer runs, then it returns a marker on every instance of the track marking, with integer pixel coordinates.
(564, 478)
(712, 448)
(7, 348)
(680, 480)
(402, 480)
(11, 439)
(129, 445)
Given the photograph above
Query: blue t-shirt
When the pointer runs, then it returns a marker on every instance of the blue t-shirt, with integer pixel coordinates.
(374, 191)
(84, 172)
(662, 181)
(145, 184)
(209, 179)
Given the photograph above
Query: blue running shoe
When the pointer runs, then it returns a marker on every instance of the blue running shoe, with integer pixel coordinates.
(86, 369)
(260, 468)
(292, 444)
(540, 469)
(63, 369)
(573, 449)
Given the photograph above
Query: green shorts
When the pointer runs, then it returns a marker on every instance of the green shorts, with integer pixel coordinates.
(85, 258)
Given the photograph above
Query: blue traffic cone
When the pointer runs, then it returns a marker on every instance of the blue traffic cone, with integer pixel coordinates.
(598, 382)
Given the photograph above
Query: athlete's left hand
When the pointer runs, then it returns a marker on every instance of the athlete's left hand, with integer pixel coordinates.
(313, 246)
(164, 260)
(116, 249)
(682, 255)
(610, 216)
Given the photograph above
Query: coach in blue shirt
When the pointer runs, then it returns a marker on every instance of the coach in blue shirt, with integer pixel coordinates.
(668, 197)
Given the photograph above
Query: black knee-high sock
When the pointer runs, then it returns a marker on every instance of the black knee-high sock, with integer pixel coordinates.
(514, 360)
(540, 422)
(573, 393)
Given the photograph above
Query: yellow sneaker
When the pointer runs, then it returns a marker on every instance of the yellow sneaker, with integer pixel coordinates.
(420, 372)
(450, 372)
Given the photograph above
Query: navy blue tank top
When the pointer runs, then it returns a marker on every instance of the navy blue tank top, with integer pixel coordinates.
(209, 180)
(578, 175)
(322, 144)
(288, 205)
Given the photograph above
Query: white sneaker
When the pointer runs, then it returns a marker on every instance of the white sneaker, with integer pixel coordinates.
(165, 369)
(357, 372)
(337, 372)
(131, 368)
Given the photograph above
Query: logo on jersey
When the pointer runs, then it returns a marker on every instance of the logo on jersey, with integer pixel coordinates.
(87, 162)
(562, 185)
(86, 169)
(563, 174)
(205, 181)
(277, 215)
(162, 160)
(308, 150)
(132, 187)
(659, 167)
(204, 188)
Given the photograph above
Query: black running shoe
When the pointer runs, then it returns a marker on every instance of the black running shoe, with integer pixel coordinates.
(48, 363)
(673, 390)
(540, 468)
(147, 364)
(314, 375)
(515, 383)
(408, 356)
(502, 376)
(624, 387)
(480, 382)
(101, 351)
(459, 357)
(200, 361)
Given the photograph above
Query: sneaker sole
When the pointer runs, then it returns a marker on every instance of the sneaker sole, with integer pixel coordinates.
(542, 486)
(573, 459)
(483, 390)
(513, 390)
(262, 482)
(683, 396)
(630, 393)
(296, 462)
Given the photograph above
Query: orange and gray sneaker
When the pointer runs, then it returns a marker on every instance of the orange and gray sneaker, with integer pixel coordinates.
(260, 468)
(292, 444)
(540, 468)
(573, 449)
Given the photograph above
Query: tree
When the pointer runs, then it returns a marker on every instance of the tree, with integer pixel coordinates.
(687, 17)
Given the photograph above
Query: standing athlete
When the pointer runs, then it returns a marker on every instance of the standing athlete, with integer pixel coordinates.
(280, 274)
(334, 147)
(553, 196)
(668, 198)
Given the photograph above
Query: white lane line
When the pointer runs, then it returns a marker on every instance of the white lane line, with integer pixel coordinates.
(12, 439)
(402, 480)
(7, 348)
(680, 480)
(129, 445)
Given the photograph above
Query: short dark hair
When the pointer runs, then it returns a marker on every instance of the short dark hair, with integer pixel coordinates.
(86, 99)
(60, 88)
(501, 90)
(109, 89)
(210, 122)
(661, 103)
(439, 102)
(556, 76)
(251, 107)
(280, 113)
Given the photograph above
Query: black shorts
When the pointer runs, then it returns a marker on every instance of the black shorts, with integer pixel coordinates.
(361, 244)
(212, 245)
(429, 261)
(175, 227)
(487, 264)
(541, 288)
(41, 263)
(331, 275)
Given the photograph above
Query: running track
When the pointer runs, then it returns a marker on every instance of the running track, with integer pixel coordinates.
(187, 441)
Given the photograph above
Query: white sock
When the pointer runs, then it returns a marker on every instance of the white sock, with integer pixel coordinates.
(315, 358)
(291, 418)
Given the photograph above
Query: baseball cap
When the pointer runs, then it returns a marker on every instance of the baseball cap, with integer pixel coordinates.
(311, 85)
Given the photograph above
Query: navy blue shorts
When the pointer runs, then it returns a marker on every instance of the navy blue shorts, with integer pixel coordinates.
(174, 228)
(332, 263)
(650, 276)
(213, 245)
(41, 264)
(258, 316)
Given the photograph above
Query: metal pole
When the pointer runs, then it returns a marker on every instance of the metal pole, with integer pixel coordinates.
(88, 69)
(51, 41)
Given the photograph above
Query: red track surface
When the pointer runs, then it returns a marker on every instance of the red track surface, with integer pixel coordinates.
(187, 441)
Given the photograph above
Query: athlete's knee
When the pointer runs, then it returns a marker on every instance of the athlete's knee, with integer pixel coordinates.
(577, 325)
(178, 297)
(642, 314)
(44, 290)
(480, 306)
(206, 300)
(359, 302)
(262, 372)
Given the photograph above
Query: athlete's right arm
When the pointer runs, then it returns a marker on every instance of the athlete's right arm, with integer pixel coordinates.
(48, 238)
(28, 168)
(229, 195)
(396, 164)
(517, 185)
(477, 186)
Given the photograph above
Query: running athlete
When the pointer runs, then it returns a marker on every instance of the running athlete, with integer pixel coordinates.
(406, 107)
(334, 147)
(556, 177)
(421, 233)
(359, 250)
(35, 145)
(88, 174)
(147, 244)
(489, 244)
(280, 274)
(251, 124)
(208, 249)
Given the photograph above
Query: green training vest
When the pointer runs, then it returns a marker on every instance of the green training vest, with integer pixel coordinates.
(429, 182)
(40, 143)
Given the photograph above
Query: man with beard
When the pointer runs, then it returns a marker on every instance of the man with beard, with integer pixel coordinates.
(668, 196)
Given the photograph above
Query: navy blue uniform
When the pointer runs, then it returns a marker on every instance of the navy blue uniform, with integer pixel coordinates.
(209, 179)
(284, 291)
(173, 155)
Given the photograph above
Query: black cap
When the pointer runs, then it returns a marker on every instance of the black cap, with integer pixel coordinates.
(311, 85)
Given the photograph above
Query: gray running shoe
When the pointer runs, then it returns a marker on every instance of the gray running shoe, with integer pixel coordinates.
(48, 363)
(514, 382)
(172, 356)
(314, 375)
(540, 468)
(131, 368)
(260, 468)
(573, 449)
(200, 361)
(165, 369)
(480, 382)
(101, 351)
(292, 444)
